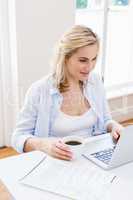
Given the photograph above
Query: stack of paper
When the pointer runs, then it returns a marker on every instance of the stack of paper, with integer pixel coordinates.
(73, 179)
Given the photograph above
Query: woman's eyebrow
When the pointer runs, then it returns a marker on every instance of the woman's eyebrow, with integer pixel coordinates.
(85, 58)
(94, 57)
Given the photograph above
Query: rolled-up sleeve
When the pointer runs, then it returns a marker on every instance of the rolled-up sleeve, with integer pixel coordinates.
(106, 110)
(26, 122)
(104, 106)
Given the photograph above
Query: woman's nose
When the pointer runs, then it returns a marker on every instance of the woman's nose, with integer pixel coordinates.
(89, 66)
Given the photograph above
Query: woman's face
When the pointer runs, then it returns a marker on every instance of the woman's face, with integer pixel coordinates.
(81, 63)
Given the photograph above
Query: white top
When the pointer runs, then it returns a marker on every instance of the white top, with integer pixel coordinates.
(65, 124)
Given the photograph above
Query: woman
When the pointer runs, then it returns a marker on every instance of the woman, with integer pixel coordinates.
(70, 101)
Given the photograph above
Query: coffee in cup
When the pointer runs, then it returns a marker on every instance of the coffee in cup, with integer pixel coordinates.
(72, 142)
(75, 143)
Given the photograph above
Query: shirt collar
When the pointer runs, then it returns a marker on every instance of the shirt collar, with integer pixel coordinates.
(54, 90)
(90, 79)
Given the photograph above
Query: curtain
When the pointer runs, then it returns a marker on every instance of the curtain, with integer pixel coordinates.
(8, 72)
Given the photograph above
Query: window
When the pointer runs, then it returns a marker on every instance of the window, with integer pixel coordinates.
(112, 21)
(81, 3)
(120, 2)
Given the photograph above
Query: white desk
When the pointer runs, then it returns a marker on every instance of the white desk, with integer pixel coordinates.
(15, 167)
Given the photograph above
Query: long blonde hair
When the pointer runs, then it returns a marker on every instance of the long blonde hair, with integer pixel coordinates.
(77, 37)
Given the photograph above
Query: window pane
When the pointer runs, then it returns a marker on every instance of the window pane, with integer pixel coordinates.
(120, 2)
(118, 61)
(95, 4)
(81, 4)
(90, 4)
(94, 20)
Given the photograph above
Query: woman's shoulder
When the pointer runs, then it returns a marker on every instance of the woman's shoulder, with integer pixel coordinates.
(42, 84)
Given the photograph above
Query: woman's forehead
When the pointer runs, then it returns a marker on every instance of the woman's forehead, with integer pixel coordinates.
(87, 51)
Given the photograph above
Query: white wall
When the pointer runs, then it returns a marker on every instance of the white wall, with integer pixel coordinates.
(1, 113)
(39, 24)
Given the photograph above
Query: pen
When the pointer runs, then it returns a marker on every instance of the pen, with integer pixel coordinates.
(113, 179)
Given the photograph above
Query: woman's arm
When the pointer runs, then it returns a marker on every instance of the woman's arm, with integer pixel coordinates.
(52, 146)
(110, 125)
(26, 122)
(24, 140)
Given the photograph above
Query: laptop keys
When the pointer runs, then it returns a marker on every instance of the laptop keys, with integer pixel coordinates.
(104, 155)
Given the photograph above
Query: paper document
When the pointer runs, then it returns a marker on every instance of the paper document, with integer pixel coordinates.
(73, 179)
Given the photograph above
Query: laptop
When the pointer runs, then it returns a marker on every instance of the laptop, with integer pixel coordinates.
(116, 154)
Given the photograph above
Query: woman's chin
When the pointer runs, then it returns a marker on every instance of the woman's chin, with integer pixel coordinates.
(84, 78)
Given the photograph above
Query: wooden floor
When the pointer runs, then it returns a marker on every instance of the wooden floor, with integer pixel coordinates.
(128, 122)
(8, 151)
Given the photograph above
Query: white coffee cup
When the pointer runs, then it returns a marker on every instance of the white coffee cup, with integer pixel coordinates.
(75, 143)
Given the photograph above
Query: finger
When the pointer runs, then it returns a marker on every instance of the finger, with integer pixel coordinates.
(61, 157)
(63, 153)
(57, 153)
(116, 135)
(62, 146)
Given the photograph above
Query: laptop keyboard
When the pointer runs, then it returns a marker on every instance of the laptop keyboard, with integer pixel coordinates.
(104, 155)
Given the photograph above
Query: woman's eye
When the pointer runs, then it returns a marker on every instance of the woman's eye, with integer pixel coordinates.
(82, 60)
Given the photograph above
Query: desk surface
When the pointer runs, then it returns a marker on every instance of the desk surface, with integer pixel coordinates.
(15, 167)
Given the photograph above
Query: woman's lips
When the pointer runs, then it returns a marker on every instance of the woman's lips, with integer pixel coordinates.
(84, 73)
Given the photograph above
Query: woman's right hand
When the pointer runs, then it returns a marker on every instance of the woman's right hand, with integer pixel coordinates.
(56, 148)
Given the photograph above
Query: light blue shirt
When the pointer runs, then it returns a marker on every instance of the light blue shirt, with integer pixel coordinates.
(42, 104)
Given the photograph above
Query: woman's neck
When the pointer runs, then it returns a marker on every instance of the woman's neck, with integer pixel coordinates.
(74, 86)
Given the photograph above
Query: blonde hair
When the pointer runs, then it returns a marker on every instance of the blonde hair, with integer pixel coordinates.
(77, 37)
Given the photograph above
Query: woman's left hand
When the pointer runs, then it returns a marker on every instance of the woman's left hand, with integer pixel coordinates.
(116, 131)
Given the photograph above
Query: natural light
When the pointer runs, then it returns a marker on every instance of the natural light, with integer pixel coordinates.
(115, 19)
